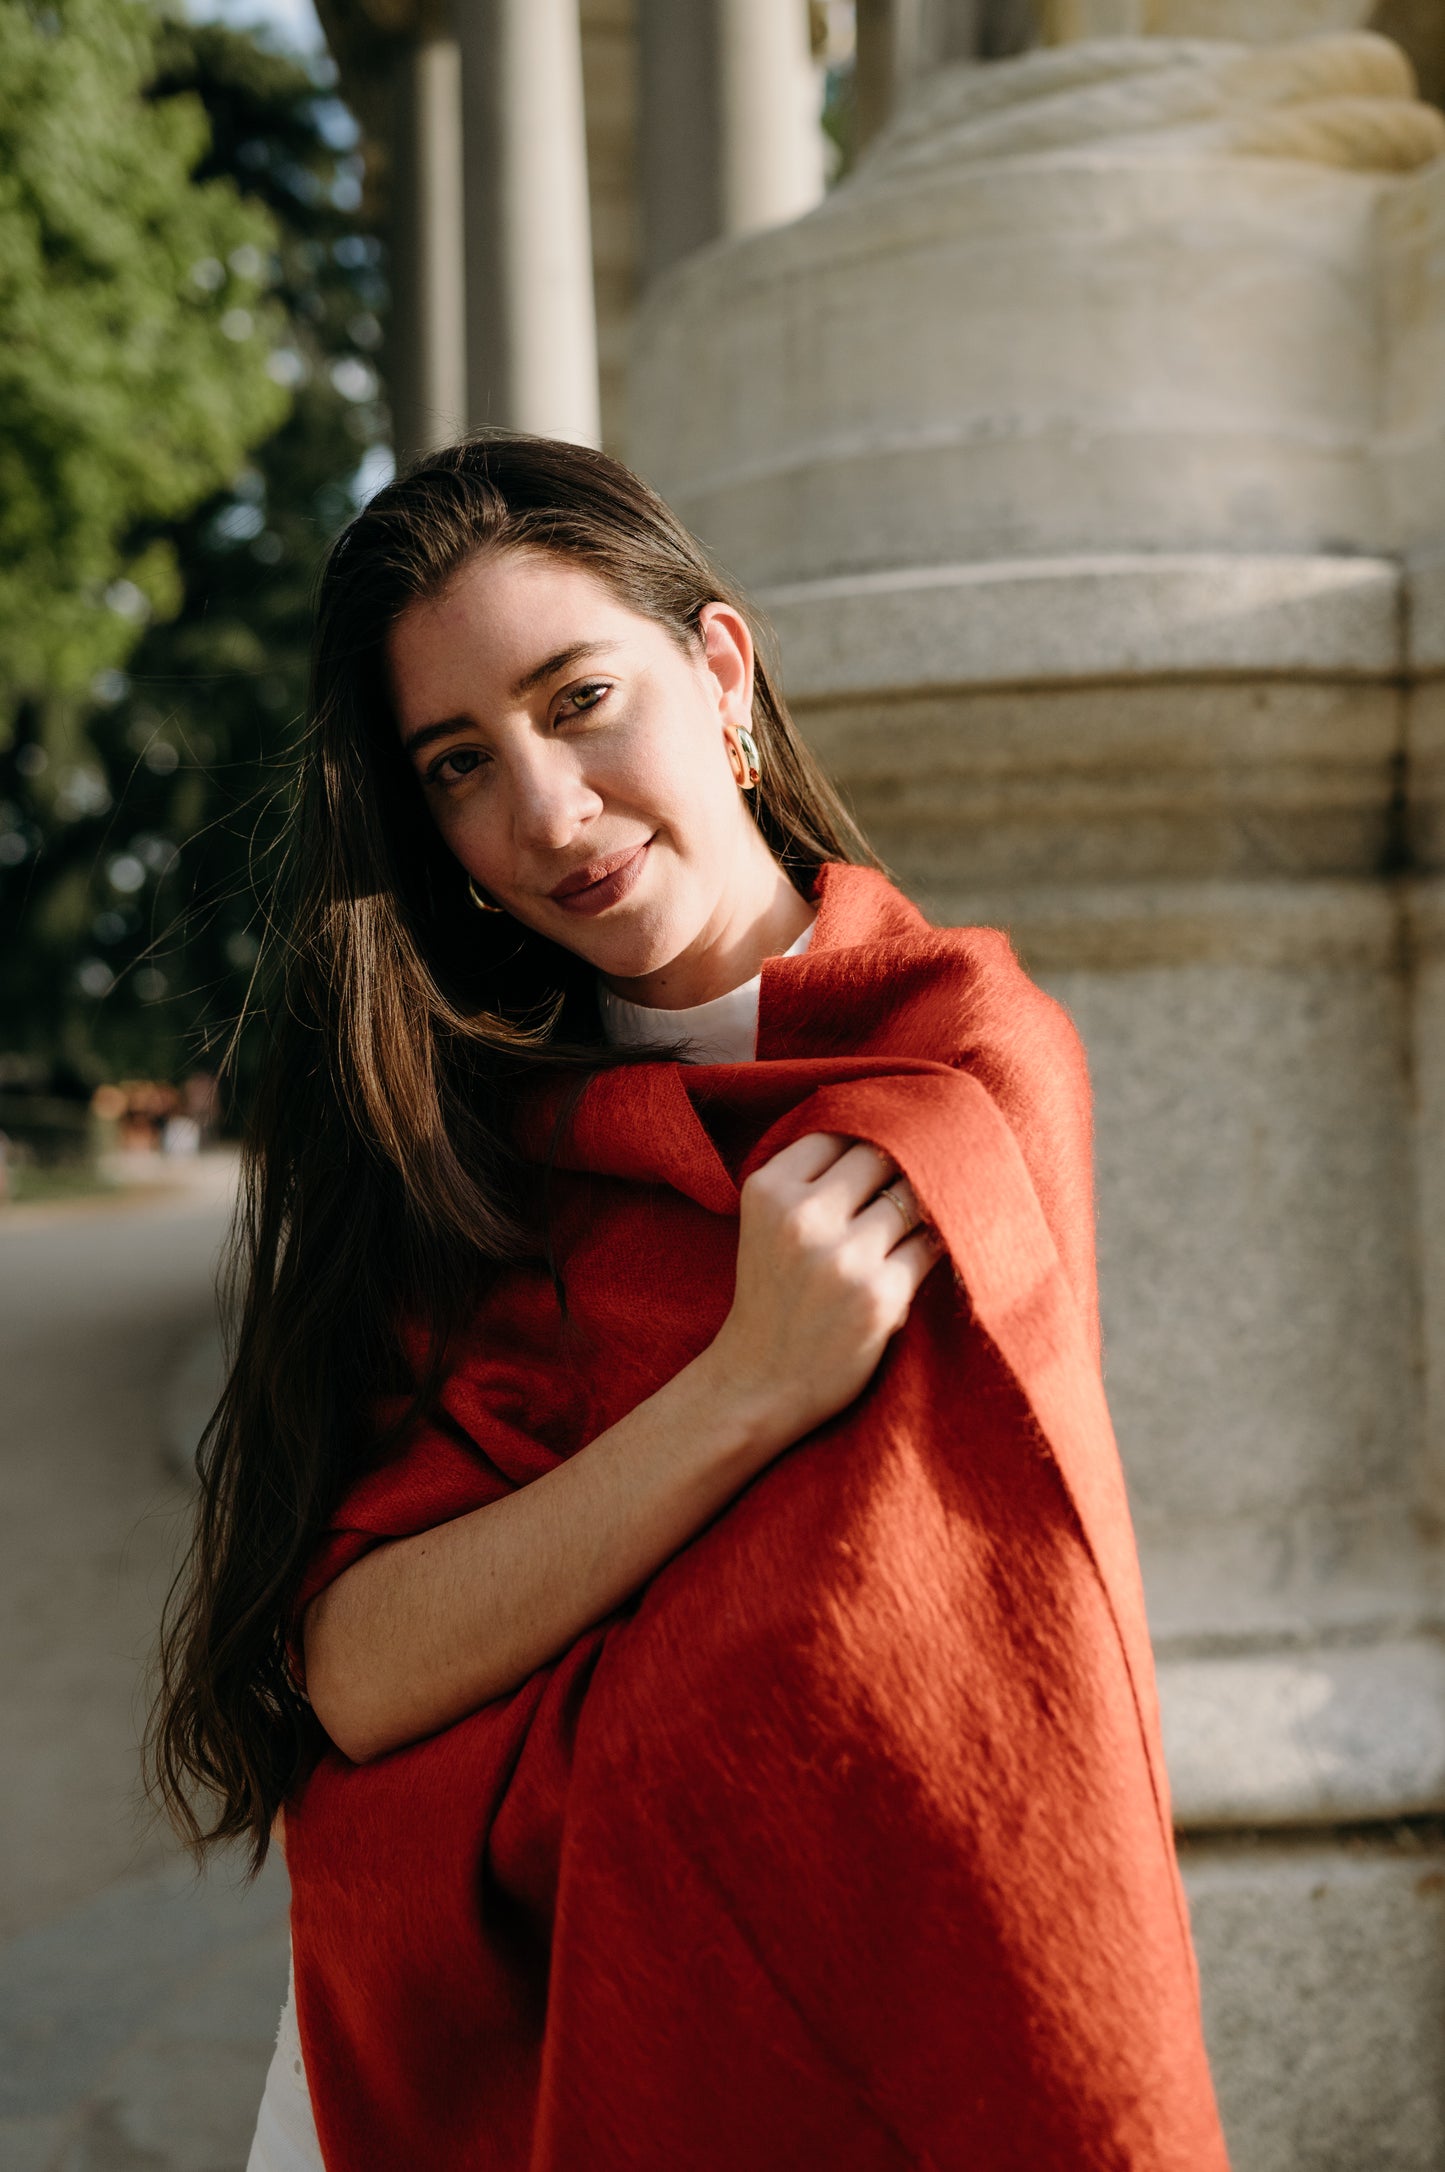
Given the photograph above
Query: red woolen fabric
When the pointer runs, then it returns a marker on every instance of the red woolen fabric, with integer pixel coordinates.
(847, 1845)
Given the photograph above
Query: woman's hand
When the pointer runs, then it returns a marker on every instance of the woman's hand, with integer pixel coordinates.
(831, 1252)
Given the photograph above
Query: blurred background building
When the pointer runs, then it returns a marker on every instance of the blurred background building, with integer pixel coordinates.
(1068, 382)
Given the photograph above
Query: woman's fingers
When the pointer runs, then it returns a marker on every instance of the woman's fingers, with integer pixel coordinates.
(892, 1214)
(809, 1157)
(857, 1175)
(862, 1183)
(857, 1178)
(917, 1255)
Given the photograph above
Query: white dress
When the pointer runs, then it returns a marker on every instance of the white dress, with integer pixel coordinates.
(285, 2139)
(723, 1031)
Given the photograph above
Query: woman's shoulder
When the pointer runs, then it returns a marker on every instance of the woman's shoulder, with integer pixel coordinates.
(946, 992)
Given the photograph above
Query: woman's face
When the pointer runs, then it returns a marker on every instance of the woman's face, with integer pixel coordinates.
(576, 760)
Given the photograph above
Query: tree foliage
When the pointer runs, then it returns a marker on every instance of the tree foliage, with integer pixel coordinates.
(130, 295)
(137, 817)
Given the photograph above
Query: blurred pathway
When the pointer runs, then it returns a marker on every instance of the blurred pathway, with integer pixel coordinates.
(137, 2005)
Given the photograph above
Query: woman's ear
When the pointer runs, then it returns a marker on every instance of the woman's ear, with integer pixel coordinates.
(728, 653)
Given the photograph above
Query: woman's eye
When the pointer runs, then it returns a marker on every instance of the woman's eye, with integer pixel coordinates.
(586, 697)
(461, 762)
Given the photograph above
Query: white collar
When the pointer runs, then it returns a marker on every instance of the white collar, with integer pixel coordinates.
(722, 1031)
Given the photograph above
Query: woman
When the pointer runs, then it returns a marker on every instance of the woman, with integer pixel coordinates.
(727, 1734)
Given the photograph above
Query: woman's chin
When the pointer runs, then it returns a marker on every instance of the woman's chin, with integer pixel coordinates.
(622, 961)
(632, 941)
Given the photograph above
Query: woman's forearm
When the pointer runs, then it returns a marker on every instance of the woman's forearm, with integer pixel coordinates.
(426, 1629)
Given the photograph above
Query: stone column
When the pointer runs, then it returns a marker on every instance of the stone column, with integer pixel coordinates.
(901, 42)
(1419, 26)
(428, 357)
(609, 81)
(730, 138)
(679, 123)
(890, 39)
(1088, 453)
(770, 141)
(531, 325)
(1414, 320)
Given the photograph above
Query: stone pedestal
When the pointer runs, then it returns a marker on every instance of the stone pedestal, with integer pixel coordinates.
(1088, 452)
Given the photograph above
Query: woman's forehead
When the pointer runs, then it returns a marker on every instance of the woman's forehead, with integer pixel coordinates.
(506, 596)
(499, 622)
(498, 583)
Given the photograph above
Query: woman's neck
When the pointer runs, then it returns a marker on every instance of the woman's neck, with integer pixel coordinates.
(727, 954)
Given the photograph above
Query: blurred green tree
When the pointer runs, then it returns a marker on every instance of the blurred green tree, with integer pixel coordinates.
(129, 377)
(137, 814)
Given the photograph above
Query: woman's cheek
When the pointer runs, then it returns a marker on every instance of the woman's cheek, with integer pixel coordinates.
(473, 840)
(666, 785)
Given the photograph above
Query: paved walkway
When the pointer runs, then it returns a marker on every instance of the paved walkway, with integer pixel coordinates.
(137, 2004)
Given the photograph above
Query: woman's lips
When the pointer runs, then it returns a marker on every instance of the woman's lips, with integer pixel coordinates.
(615, 884)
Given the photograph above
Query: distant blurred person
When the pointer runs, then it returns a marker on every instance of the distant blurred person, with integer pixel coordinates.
(662, 1543)
(201, 1102)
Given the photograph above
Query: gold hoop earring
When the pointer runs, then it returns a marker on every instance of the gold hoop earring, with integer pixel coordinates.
(752, 760)
(480, 899)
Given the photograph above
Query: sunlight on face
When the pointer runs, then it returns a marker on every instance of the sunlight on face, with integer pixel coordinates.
(575, 759)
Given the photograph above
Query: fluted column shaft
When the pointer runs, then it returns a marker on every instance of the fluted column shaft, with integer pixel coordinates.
(530, 313)
(730, 137)
(770, 143)
(901, 41)
(429, 362)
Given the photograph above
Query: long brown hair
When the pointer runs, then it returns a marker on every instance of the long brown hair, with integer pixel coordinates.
(380, 1184)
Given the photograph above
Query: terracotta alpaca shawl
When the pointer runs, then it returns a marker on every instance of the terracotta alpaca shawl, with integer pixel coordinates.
(845, 1847)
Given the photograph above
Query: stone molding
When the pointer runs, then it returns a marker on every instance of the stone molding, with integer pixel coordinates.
(1323, 1736)
(1119, 615)
(1259, 22)
(1343, 100)
(1212, 346)
(1425, 619)
(1140, 926)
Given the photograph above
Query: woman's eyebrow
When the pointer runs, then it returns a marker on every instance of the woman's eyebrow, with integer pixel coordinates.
(573, 654)
(550, 665)
(426, 733)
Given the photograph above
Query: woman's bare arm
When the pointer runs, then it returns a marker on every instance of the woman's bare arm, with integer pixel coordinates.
(426, 1629)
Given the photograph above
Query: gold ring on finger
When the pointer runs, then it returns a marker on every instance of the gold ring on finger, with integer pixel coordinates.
(905, 1211)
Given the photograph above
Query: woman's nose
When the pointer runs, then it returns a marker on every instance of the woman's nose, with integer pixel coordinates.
(552, 800)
